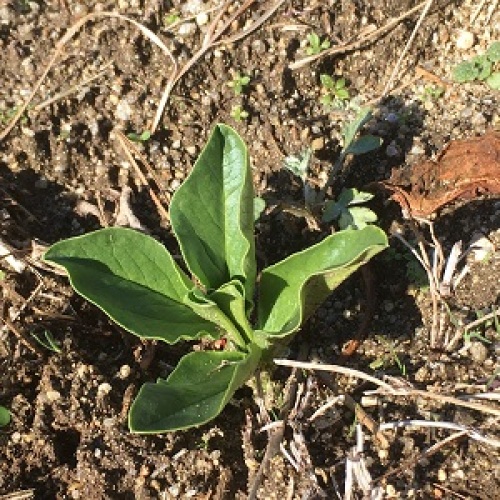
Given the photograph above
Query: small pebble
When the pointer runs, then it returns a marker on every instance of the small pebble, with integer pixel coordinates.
(318, 143)
(104, 389)
(202, 19)
(53, 395)
(465, 40)
(478, 351)
(442, 476)
(123, 110)
(124, 372)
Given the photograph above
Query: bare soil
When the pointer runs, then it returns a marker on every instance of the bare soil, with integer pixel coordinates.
(62, 172)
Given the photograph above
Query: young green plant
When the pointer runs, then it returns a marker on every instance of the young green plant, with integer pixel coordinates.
(138, 284)
(480, 68)
(315, 45)
(335, 92)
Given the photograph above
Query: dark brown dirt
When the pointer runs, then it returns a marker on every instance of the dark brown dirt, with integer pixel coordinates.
(68, 437)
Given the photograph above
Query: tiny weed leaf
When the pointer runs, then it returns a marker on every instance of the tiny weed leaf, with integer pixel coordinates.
(4, 416)
(364, 144)
(493, 52)
(291, 290)
(356, 218)
(327, 81)
(212, 214)
(299, 164)
(195, 393)
(483, 65)
(134, 280)
(339, 209)
(466, 71)
(47, 341)
(493, 81)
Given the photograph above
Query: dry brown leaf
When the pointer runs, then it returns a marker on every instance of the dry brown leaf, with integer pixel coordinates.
(465, 169)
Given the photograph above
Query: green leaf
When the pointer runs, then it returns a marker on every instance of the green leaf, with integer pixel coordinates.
(493, 52)
(212, 214)
(466, 71)
(483, 65)
(363, 145)
(291, 290)
(4, 416)
(357, 218)
(327, 81)
(493, 80)
(134, 280)
(363, 116)
(342, 94)
(195, 393)
(226, 308)
(340, 84)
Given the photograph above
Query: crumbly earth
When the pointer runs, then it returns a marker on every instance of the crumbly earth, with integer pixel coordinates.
(68, 436)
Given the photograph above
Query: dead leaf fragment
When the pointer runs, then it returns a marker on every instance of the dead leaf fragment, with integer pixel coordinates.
(465, 169)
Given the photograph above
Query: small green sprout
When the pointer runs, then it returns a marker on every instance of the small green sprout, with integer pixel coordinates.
(480, 68)
(347, 212)
(334, 91)
(239, 83)
(239, 113)
(47, 341)
(4, 416)
(432, 93)
(316, 45)
(143, 137)
(171, 18)
(388, 359)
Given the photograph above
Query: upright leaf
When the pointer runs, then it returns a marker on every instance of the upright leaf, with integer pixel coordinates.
(226, 308)
(195, 393)
(134, 280)
(212, 214)
(292, 289)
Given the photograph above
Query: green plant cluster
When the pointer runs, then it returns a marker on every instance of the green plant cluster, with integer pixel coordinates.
(335, 92)
(480, 68)
(139, 285)
(315, 45)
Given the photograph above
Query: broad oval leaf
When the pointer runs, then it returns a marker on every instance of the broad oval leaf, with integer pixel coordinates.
(291, 290)
(134, 280)
(212, 214)
(195, 393)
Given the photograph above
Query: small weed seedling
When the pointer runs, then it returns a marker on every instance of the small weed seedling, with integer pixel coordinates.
(315, 45)
(480, 68)
(432, 93)
(239, 113)
(4, 416)
(347, 212)
(47, 341)
(171, 18)
(144, 137)
(139, 285)
(239, 83)
(335, 92)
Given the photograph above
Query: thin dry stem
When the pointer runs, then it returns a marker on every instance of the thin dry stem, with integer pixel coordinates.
(357, 44)
(334, 369)
(390, 82)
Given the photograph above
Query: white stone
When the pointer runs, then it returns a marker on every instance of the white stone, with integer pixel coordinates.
(465, 40)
